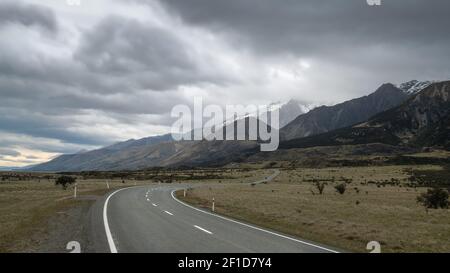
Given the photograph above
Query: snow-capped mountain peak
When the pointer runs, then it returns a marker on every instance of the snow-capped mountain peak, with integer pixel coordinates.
(414, 86)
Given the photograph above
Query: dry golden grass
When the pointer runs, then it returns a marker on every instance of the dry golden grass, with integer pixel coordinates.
(388, 214)
(25, 206)
(433, 154)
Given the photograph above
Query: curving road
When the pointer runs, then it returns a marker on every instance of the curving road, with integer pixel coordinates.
(151, 219)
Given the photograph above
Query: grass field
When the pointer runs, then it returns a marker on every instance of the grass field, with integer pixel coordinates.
(25, 207)
(28, 201)
(378, 205)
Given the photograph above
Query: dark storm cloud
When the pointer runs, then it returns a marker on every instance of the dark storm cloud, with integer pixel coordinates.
(120, 66)
(308, 27)
(118, 45)
(151, 56)
(27, 15)
(56, 99)
(122, 69)
(357, 44)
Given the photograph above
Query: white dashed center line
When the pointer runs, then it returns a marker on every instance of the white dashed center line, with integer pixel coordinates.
(153, 204)
(168, 212)
(202, 229)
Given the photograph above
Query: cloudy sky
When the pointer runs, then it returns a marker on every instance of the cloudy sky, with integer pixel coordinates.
(76, 77)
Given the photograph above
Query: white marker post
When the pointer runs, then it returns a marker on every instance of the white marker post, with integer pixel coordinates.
(184, 193)
(213, 205)
(75, 191)
(107, 185)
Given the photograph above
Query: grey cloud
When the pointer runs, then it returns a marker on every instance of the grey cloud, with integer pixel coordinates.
(26, 161)
(40, 144)
(42, 69)
(40, 95)
(304, 25)
(145, 56)
(397, 41)
(8, 152)
(44, 127)
(118, 45)
(56, 99)
(27, 15)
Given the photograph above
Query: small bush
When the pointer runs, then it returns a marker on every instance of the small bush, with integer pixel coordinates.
(65, 180)
(320, 187)
(434, 199)
(340, 188)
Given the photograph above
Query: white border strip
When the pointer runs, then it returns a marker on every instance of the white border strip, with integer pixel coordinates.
(253, 227)
(111, 244)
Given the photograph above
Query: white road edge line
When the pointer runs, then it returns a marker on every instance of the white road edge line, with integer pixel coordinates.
(253, 227)
(168, 212)
(109, 237)
(202, 229)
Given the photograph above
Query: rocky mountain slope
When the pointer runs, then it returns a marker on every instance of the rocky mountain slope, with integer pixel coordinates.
(423, 120)
(130, 154)
(154, 152)
(327, 118)
(414, 86)
(291, 110)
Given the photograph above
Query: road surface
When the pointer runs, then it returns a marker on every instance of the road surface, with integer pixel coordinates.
(151, 219)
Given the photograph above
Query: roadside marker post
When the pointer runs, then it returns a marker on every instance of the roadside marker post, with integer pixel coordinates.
(213, 208)
(184, 193)
(75, 191)
(107, 185)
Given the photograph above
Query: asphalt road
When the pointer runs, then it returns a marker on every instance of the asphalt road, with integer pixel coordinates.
(151, 219)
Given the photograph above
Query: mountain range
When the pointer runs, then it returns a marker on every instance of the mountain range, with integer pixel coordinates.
(396, 115)
(422, 120)
(327, 118)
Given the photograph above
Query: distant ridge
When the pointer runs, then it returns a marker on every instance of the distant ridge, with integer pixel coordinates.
(322, 126)
(327, 118)
(423, 120)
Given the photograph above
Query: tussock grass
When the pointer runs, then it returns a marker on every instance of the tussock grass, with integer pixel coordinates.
(387, 212)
